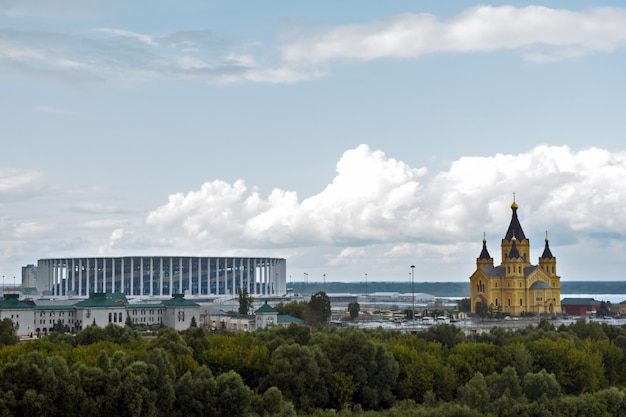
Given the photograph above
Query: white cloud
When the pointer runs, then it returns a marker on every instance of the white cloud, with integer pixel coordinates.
(539, 32)
(377, 215)
(378, 211)
(129, 57)
(19, 183)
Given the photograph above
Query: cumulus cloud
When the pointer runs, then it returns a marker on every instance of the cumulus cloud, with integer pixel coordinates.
(372, 198)
(112, 54)
(375, 199)
(539, 32)
(377, 215)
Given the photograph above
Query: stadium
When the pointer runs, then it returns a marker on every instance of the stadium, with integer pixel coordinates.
(161, 276)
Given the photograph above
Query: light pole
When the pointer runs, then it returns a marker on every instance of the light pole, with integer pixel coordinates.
(365, 287)
(413, 293)
(306, 277)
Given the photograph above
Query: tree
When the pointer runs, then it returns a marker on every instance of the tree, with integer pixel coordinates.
(294, 309)
(7, 333)
(295, 372)
(59, 327)
(538, 384)
(354, 308)
(465, 305)
(129, 321)
(245, 301)
(232, 396)
(475, 393)
(197, 339)
(482, 310)
(318, 310)
(604, 309)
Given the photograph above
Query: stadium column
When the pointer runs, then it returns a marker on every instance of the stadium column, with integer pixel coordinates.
(217, 276)
(73, 275)
(171, 276)
(104, 274)
(199, 290)
(122, 290)
(141, 276)
(232, 275)
(112, 275)
(266, 275)
(87, 278)
(53, 287)
(160, 280)
(240, 274)
(151, 275)
(189, 282)
(248, 275)
(180, 273)
(64, 281)
(80, 276)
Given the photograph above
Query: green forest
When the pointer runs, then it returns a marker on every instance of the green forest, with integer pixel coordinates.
(540, 370)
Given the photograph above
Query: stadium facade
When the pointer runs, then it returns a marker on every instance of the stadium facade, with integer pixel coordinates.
(162, 276)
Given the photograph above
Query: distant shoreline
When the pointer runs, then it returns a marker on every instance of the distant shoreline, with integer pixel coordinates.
(444, 289)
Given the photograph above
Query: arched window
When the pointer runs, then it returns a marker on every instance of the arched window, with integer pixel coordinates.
(521, 302)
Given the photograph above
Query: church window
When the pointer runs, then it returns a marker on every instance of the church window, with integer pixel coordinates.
(520, 284)
(496, 284)
(508, 302)
(496, 302)
(521, 302)
(508, 269)
(553, 269)
(520, 269)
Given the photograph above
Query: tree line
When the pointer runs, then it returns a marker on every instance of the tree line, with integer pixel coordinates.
(578, 369)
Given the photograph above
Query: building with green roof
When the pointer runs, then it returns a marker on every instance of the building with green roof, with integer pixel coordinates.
(21, 314)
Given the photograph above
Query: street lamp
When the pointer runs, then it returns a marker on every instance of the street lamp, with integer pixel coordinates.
(365, 287)
(413, 292)
(306, 277)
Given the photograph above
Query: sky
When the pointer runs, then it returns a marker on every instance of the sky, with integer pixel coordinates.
(352, 138)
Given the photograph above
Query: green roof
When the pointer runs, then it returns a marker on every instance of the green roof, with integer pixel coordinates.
(145, 305)
(579, 302)
(178, 300)
(65, 307)
(99, 300)
(287, 319)
(12, 302)
(266, 309)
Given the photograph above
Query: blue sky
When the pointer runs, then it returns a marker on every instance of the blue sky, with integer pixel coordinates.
(351, 138)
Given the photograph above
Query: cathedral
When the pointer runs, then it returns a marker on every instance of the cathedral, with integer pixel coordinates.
(515, 287)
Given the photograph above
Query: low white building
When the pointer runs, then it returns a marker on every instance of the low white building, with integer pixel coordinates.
(21, 314)
(101, 309)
